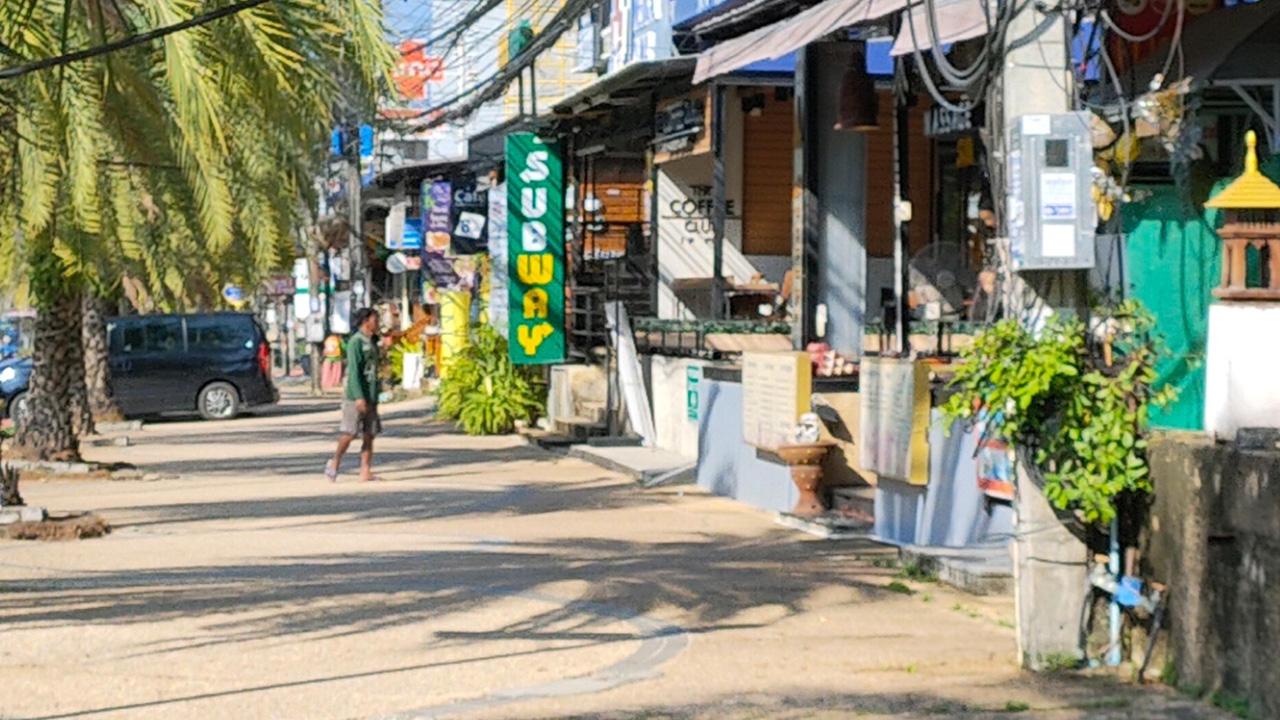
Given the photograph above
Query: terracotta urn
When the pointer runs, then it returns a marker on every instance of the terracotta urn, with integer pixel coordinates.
(805, 461)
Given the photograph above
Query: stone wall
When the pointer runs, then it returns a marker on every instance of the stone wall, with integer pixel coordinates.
(1214, 538)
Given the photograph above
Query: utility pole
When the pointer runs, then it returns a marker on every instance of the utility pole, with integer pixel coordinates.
(1050, 569)
(356, 262)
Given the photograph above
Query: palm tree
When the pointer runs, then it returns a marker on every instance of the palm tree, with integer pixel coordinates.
(179, 158)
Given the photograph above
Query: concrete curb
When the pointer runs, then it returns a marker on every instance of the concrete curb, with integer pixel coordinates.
(113, 427)
(660, 469)
(977, 571)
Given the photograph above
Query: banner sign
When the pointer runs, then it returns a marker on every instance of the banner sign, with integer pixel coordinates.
(437, 204)
(535, 250)
(470, 215)
(498, 258)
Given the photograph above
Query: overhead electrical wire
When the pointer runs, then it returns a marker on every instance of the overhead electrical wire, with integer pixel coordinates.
(493, 86)
(1120, 32)
(17, 71)
(482, 8)
(960, 78)
(975, 75)
(482, 39)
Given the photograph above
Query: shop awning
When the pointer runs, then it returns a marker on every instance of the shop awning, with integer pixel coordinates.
(631, 81)
(1231, 47)
(956, 20)
(1231, 44)
(773, 41)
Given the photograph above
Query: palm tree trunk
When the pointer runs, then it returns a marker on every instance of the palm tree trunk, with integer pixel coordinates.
(97, 370)
(78, 391)
(49, 432)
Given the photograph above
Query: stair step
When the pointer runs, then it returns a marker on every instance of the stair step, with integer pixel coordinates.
(858, 502)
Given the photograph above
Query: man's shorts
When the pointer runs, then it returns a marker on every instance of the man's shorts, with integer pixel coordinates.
(355, 423)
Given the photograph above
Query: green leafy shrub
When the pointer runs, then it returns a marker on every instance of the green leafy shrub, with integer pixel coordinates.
(395, 359)
(1077, 401)
(485, 392)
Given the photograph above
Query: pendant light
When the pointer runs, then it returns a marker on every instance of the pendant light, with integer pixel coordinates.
(859, 105)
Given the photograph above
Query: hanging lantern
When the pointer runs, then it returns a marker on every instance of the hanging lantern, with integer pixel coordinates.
(859, 105)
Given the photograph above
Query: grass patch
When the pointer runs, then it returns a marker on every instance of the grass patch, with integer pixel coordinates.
(913, 570)
(1059, 662)
(927, 598)
(900, 588)
(1109, 704)
(1016, 706)
(1234, 704)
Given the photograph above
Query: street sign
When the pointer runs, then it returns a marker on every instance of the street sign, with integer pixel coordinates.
(233, 294)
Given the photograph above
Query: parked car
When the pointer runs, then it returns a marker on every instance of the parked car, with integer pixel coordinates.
(15, 374)
(216, 364)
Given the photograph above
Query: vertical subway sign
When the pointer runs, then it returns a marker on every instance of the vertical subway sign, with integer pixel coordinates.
(535, 249)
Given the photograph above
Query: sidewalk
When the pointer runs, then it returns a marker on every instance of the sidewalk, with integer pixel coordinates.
(483, 579)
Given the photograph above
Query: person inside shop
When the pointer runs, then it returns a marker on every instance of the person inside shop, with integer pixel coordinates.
(360, 400)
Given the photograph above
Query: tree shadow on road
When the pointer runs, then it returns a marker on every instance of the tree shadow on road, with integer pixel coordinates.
(1057, 697)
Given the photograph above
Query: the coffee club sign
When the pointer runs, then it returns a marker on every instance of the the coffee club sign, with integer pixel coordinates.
(535, 249)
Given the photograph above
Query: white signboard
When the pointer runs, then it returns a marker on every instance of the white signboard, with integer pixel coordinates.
(498, 301)
(893, 437)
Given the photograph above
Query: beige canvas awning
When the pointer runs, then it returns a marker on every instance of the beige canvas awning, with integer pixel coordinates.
(774, 41)
(957, 20)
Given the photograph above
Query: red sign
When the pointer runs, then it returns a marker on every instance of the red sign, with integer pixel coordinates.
(415, 69)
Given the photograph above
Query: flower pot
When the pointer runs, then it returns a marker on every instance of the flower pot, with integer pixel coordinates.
(805, 462)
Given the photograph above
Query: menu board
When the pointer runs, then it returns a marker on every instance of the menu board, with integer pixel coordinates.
(895, 419)
(776, 388)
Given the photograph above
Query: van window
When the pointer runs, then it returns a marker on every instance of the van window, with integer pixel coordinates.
(210, 333)
(152, 335)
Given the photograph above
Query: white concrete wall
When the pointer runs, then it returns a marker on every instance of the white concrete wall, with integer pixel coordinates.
(1242, 389)
(685, 239)
(677, 433)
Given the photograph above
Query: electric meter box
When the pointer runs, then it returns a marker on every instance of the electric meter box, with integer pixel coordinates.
(1052, 217)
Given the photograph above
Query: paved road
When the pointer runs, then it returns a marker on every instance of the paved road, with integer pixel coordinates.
(480, 579)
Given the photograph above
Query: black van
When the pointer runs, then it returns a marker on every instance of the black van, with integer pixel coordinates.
(214, 363)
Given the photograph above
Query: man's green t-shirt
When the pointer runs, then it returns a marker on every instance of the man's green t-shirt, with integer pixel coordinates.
(362, 369)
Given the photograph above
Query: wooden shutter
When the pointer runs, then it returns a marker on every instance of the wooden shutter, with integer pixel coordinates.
(766, 176)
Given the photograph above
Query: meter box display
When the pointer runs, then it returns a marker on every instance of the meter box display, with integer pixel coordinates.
(1052, 218)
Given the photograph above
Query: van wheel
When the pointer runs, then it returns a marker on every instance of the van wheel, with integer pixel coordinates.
(18, 407)
(219, 401)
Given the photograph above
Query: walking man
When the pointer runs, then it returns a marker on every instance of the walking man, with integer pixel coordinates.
(360, 403)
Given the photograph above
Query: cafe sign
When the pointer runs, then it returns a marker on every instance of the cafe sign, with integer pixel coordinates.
(535, 250)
